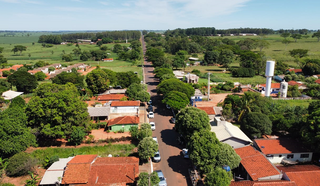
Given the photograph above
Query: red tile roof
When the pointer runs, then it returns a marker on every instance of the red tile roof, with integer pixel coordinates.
(108, 97)
(208, 110)
(295, 70)
(268, 183)
(256, 164)
(124, 120)
(280, 146)
(306, 178)
(298, 168)
(15, 67)
(292, 83)
(125, 103)
(83, 159)
(76, 173)
(273, 85)
(317, 81)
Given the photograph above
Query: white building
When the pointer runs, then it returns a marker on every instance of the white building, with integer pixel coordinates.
(228, 133)
(125, 107)
(10, 94)
(279, 150)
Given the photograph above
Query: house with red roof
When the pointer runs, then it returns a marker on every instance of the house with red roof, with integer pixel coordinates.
(110, 97)
(296, 71)
(92, 170)
(123, 123)
(263, 183)
(283, 150)
(299, 84)
(275, 88)
(255, 166)
(209, 110)
(125, 107)
(108, 59)
(302, 174)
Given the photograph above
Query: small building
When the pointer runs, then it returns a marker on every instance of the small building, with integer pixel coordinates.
(178, 74)
(209, 110)
(10, 94)
(299, 84)
(301, 174)
(193, 59)
(283, 150)
(115, 91)
(123, 123)
(275, 88)
(125, 106)
(110, 97)
(192, 78)
(99, 113)
(108, 60)
(296, 71)
(228, 133)
(255, 166)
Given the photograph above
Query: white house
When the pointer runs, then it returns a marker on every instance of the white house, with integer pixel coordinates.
(229, 133)
(282, 150)
(125, 107)
(10, 94)
(275, 88)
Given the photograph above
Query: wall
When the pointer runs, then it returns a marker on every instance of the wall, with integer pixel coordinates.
(124, 109)
(120, 127)
(296, 156)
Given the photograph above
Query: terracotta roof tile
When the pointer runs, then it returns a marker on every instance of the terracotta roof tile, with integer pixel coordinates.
(125, 103)
(309, 178)
(108, 97)
(292, 83)
(124, 120)
(273, 85)
(298, 168)
(317, 81)
(267, 183)
(280, 146)
(208, 110)
(76, 173)
(83, 159)
(255, 163)
(295, 70)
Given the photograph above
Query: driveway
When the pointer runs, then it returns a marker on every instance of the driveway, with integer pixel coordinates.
(172, 164)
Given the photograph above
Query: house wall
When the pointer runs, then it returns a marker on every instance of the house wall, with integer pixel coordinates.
(120, 127)
(235, 143)
(274, 158)
(134, 109)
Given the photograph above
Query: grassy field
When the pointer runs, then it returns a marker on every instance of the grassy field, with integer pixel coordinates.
(304, 103)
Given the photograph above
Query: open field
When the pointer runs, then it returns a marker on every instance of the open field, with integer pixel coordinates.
(304, 103)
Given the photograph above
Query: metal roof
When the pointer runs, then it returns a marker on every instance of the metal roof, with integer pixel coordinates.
(55, 172)
(98, 111)
(227, 130)
(10, 94)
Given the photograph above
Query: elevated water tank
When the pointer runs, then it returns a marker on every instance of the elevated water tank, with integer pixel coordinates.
(270, 68)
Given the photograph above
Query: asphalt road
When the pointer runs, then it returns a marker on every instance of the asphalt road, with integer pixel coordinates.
(172, 164)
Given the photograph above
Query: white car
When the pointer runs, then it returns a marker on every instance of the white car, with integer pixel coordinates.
(153, 125)
(185, 153)
(151, 115)
(155, 139)
(157, 157)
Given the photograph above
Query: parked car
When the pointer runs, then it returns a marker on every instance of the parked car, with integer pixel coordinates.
(153, 125)
(168, 107)
(157, 157)
(150, 102)
(150, 108)
(155, 139)
(151, 115)
(163, 181)
(185, 153)
(172, 120)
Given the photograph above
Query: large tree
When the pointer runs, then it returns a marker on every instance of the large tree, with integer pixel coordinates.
(3, 60)
(55, 110)
(73, 77)
(317, 35)
(218, 177)
(153, 54)
(23, 80)
(138, 92)
(19, 48)
(97, 81)
(211, 57)
(227, 156)
(256, 124)
(148, 180)
(176, 100)
(147, 147)
(296, 37)
(125, 79)
(15, 136)
(226, 57)
(159, 72)
(190, 120)
(174, 84)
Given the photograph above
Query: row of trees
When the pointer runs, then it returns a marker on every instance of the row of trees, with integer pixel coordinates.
(245, 30)
(200, 31)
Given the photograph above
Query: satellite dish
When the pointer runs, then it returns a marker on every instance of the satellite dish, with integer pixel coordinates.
(110, 155)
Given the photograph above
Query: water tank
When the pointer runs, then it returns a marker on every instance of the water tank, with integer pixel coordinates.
(270, 68)
(226, 168)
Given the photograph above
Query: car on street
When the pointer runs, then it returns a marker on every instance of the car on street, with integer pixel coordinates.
(155, 139)
(150, 102)
(150, 108)
(172, 120)
(163, 181)
(153, 125)
(151, 115)
(185, 153)
(157, 157)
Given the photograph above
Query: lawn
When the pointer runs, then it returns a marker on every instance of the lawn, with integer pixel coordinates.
(304, 103)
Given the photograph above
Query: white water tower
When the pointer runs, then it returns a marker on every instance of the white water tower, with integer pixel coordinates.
(269, 74)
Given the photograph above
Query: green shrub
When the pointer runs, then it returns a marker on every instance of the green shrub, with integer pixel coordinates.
(20, 164)
(243, 72)
(7, 184)
(49, 45)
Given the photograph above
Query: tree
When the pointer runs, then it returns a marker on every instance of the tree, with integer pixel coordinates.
(1, 49)
(135, 55)
(85, 55)
(51, 69)
(298, 53)
(77, 135)
(148, 180)
(98, 55)
(227, 156)
(190, 120)
(18, 102)
(67, 57)
(226, 57)
(138, 92)
(117, 48)
(247, 44)
(55, 109)
(256, 124)
(217, 177)
(311, 67)
(285, 35)
(99, 43)
(19, 48)
(76, 52)
(97, 81)
(211, 57)
(178, 62)
(147, 147)
(159, 72)
(4, 85)
(20, 164)
(125, 79)
(163, 62)
(261, 44)
(135, 45)
(72, 77)
(174, 84)
(176, 100)
(152, 54)
(15, 135)
(286, 42)
(23, 80)
(317, 35)
(3, 60)
(104, 47)
(204, 148)
(40, 76)
(296, 36)
(40, 64)
(167, 76)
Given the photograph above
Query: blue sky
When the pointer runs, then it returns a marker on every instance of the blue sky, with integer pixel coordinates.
(53, 15)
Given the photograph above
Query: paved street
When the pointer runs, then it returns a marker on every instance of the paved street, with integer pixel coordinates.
(172, 164)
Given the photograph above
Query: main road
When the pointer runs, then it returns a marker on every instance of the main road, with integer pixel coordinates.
(172, 164)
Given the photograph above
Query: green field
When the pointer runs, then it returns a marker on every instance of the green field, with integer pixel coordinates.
(304, 103)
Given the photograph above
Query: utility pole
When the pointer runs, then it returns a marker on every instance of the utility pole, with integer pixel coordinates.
(208, 86)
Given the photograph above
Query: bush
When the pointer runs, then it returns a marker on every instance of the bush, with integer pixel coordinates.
(7, 184)
(20, 164)
(77, 135)
(196, 72)
(243, 72)
(49, 45)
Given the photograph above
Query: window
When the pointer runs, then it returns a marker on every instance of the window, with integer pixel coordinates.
(280, 156)
(304, 156)
(290, 156)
